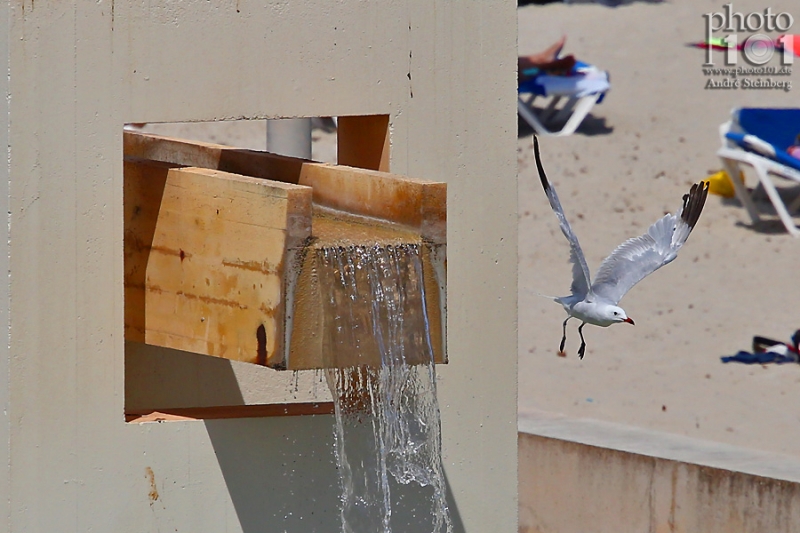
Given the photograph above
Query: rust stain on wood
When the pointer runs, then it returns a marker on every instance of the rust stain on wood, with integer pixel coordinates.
(268, 311)
(136, 244)
(261, 352)
(154, 288)
(169, 251)
(145, 286)
(254, 266)
(212, 300)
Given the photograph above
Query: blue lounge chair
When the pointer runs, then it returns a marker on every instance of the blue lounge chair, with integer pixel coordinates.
(583, 87)
(758, 138)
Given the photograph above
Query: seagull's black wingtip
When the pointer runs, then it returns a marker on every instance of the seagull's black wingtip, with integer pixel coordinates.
(539, 166)
(693, 203)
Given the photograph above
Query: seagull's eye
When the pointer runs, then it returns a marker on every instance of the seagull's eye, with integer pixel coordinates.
(615, 313)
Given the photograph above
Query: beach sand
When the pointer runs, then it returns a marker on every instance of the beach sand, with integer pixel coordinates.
(654, 135)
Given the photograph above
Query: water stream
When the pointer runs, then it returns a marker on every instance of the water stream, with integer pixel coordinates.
(388, 440)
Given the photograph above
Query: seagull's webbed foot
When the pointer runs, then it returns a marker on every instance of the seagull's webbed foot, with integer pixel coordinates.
(582, 349)
(563, 336)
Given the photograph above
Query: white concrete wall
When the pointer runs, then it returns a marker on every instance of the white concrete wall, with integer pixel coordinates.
(5, 302)
(589, 475)
(79, 70)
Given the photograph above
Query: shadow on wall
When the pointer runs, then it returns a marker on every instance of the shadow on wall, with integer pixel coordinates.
(281, 475)
(280, 472)
(455, 516)
(158, 378)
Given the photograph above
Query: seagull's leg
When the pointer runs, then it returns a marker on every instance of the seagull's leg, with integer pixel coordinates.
(582, 349)
(564, 336)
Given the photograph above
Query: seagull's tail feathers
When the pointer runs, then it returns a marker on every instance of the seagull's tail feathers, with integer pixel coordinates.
(554, 298)
(564, 301)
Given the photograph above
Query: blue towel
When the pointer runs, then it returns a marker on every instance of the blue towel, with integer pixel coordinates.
(583, 79)
(778, 154)
(776, 127)
(779, 127)
(760, 358)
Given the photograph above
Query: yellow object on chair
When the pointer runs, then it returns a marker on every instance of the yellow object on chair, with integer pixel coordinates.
(721, 184)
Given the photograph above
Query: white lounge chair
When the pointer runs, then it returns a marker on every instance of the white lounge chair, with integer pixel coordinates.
(758, 138)
(579, 90)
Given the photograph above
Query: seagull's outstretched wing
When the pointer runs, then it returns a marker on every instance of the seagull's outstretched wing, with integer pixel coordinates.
(580, 270)
(636, 258)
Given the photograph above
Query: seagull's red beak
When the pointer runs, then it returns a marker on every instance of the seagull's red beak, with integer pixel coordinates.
(629, 321)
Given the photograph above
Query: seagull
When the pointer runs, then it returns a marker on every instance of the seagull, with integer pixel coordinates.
(632, 261)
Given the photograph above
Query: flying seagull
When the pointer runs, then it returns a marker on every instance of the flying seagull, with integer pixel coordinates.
(632, 261)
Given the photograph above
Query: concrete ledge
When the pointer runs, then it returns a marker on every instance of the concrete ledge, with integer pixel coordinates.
(585, 475)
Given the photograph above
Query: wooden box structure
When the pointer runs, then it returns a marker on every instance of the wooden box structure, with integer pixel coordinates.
(220, 248)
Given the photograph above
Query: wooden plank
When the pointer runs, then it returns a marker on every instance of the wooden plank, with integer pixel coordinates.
(363, 142)
(414, 203)
(209, 259)
(214, 156)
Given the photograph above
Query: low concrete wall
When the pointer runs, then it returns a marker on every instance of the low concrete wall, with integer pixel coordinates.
(591, 476)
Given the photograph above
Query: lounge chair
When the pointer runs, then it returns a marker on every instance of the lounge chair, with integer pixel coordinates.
(583, 87)
(759, 138)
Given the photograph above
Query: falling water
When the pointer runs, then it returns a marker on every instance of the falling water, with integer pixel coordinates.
(387, 417)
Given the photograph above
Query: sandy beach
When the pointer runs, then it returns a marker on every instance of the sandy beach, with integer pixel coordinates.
(637, 154)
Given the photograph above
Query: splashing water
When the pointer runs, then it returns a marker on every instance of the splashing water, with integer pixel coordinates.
(387, 417)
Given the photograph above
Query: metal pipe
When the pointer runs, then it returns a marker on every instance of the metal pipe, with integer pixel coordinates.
(289, 136)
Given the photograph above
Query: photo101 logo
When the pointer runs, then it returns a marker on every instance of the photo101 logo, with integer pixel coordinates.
(756, 38)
